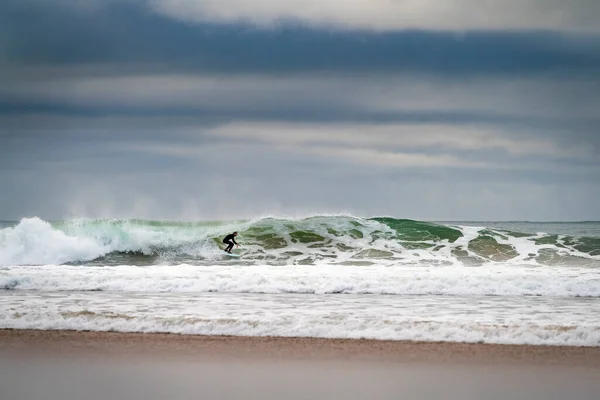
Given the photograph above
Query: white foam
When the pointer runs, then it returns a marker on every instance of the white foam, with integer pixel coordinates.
(533, 321)
(34, 241)
(482, 281)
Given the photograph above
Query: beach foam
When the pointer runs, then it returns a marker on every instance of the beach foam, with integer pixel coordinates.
(483, 281)
(533, 321)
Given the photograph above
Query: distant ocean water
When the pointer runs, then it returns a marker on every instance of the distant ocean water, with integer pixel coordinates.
(321, 276)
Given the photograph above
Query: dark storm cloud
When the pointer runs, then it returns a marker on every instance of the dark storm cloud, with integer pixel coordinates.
(50, 34)
(65, 47)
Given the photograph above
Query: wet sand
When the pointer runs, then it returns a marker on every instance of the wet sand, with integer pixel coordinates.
(96, 365)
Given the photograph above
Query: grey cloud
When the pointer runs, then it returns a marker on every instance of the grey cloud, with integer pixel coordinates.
(127, 35)
(389, 15)
(391, 114)
(549, 97)
(379, 15)
(123, 112)
(471, 137)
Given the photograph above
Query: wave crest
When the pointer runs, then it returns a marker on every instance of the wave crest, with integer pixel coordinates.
(344, 240)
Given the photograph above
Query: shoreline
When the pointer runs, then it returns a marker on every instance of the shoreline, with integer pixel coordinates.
(170, 345)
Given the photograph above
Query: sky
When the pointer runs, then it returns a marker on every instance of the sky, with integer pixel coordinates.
(226, 109)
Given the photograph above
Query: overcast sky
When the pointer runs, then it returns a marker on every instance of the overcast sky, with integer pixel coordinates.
(214, 109)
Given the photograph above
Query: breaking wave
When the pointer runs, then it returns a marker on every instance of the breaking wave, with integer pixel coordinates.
(340, 240)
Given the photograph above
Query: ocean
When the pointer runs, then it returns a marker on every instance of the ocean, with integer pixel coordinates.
(329, 276)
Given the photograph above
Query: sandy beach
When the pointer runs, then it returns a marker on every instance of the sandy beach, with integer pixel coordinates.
(100, 365)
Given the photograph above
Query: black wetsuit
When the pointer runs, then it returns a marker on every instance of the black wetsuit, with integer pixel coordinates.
(229, 241)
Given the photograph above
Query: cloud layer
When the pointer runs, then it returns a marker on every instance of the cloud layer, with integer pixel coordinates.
(386, 15)
(205, 109)
(369, 15)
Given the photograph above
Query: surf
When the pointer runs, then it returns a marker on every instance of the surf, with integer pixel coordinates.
(327, 239)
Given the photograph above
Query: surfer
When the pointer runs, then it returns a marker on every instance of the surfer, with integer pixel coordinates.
(230, 241)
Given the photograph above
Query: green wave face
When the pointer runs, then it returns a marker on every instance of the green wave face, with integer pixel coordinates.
(342, 240)
(417, 234)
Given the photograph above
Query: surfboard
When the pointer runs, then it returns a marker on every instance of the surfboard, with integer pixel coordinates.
(231, 254)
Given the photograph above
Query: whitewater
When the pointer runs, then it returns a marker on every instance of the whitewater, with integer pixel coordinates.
(320, 276)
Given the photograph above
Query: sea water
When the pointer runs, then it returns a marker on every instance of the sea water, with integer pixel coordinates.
(322, 276)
